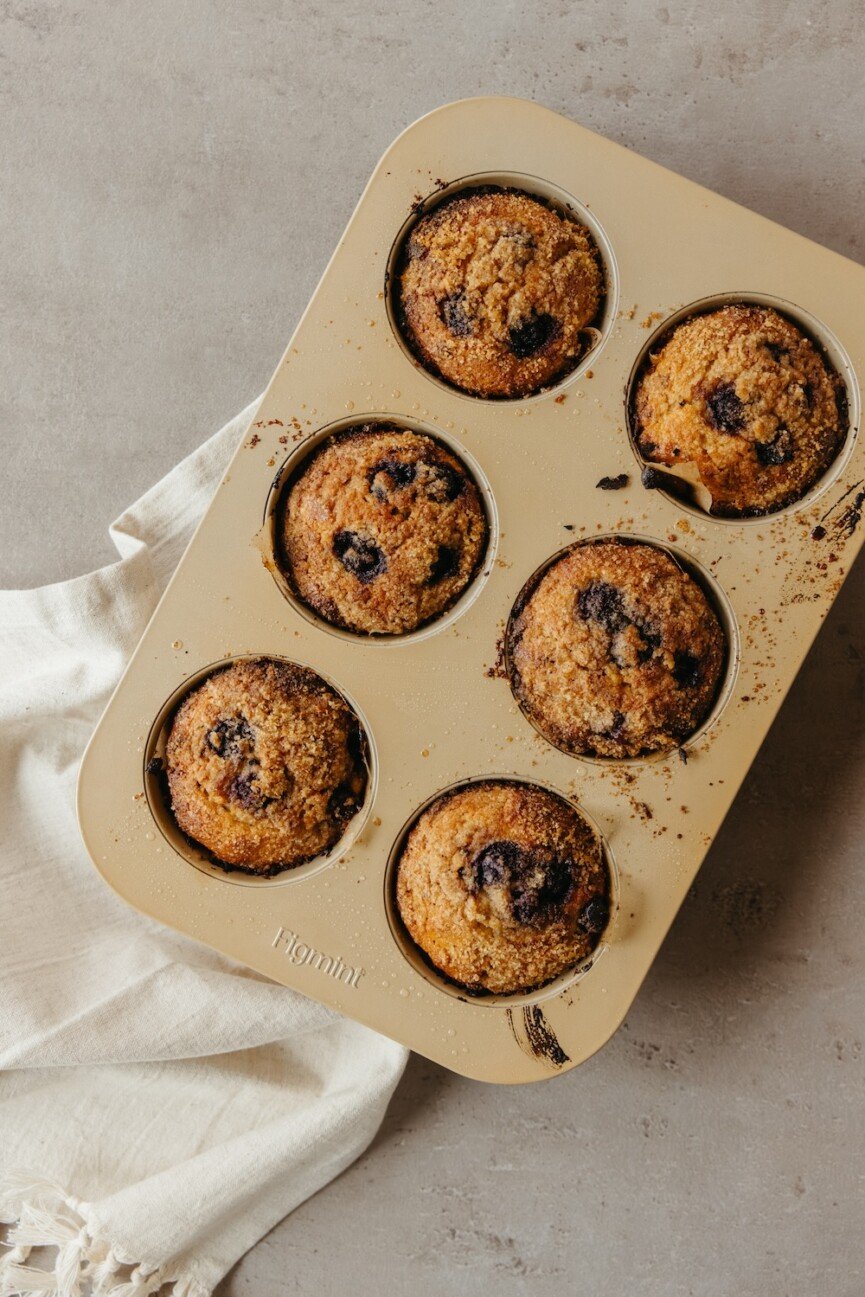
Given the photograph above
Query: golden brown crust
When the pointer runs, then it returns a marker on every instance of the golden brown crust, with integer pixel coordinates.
(745, 396)
(503, 886)
(496, 289)
(382, 530)
(265, 765)
(615, 651)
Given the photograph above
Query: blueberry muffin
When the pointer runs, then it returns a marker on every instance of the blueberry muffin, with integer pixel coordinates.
(496, 289)
(747, 398)
(265, 765)
(503, 886)
(382, 530)
(614, 651)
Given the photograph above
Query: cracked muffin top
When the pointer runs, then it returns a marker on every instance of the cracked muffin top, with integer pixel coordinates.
(615, 651)
(265, 764)
(496, 289)
(747, 398)
(382, 530)
(503, 885)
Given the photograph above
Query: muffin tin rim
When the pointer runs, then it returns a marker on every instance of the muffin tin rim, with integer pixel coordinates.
(555, 197)
(830, 348)
(195, 853)
(420, 963)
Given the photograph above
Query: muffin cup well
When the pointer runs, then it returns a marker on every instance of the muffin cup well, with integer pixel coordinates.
(422, 964)
(159, 798)
(719, 602)
(595, 334)
(293, 467)
(683, 490)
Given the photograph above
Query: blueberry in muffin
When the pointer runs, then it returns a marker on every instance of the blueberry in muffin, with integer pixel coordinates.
(381, 530)
(744, 395)
(614, 651)
(496, 289)
(265, 764)
(503, 886)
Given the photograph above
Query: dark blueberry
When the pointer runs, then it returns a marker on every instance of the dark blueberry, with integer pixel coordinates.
(401, 475)
(525, 906)
(447, 562)
(154, 766)
(536, 883)
(612, 483)
(494, 864)
(530, 901)
(453, 313)
(444, 483)
(532, 334)
(617, 729)
(725, 409)
(776, 350)
(650, 645)
(245, 790)
(226, 736)
(343, 803)
(686, 669)
(777, 451)
(818, 532)
(603, 603)
(362, 557)
(558, 877)
(653, 479)
(595, 915)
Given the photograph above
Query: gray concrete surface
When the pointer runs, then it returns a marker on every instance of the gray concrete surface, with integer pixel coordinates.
(160, 161)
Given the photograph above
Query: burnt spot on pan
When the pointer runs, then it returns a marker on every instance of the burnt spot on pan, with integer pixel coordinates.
(851, 516)
(535, 1036)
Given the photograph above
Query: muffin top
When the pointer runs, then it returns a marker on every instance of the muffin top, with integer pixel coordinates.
(382, 530)
(615, 651)
(265, 765)
(747, 398)
(503, 885)
(495, 290)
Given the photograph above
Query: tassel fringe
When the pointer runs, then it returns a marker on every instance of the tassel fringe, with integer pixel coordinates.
(40, 1214)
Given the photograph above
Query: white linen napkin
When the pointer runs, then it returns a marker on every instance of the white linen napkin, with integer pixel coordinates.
(160, 1106)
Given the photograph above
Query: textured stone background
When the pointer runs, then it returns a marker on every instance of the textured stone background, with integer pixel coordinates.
(175, 176)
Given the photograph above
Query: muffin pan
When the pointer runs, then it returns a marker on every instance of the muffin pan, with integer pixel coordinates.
(436, 704)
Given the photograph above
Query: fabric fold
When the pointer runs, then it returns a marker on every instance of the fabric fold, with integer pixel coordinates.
(160, 1106)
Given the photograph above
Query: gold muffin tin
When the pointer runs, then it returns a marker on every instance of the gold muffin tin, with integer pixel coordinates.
(435, 704)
